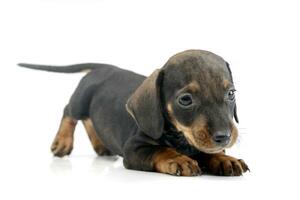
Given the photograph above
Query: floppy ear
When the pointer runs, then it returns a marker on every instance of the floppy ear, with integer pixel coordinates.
(144, 105)
(235, 109)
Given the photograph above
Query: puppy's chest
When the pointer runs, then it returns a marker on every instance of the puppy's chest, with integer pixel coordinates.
(178, 141)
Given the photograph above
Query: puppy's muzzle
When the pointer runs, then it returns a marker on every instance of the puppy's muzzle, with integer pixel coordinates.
(221, 138)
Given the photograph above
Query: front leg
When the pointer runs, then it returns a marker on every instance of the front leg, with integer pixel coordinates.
(142, 153)
(221, 164)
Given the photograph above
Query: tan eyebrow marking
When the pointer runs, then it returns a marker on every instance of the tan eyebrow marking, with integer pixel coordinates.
(193, 86)
(226, 83)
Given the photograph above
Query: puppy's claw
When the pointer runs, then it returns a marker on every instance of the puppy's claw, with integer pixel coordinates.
(178, 172)
(244, 165)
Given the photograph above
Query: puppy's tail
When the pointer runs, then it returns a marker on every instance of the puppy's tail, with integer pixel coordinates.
(86, 67)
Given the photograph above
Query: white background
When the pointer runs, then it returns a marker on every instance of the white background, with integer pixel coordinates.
(260, 39)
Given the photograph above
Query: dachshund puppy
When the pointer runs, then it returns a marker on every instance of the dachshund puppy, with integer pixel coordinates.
(177, 121)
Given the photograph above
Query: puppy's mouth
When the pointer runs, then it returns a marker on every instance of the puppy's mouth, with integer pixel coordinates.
(204, 142)
(212, 151)
(205, 146)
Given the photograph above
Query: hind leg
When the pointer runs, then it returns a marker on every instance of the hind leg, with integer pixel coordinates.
(63, 141)
(96, 142)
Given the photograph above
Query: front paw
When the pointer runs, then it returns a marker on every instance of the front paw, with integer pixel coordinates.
(223, 165)
(169, 161)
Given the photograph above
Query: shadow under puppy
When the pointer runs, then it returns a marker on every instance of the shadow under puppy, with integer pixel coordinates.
(177, 121)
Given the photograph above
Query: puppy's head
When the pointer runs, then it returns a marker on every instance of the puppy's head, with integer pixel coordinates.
(194, 93)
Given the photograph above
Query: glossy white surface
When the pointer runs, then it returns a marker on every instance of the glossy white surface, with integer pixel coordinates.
(260, 39)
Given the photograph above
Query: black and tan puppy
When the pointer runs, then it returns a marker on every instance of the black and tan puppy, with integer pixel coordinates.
(177, 121)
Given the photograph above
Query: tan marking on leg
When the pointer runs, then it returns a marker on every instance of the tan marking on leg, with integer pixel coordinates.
(96, 142)
(63, 142)
(168, 161)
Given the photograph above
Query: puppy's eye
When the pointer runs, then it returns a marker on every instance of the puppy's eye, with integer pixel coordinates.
(231, 95)
(185, 100)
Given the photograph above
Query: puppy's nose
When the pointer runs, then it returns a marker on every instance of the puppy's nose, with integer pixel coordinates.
(221, 137)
